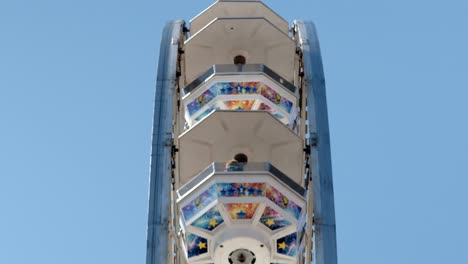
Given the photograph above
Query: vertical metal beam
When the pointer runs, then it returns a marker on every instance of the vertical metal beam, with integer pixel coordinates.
(160, 175)
(322, 180)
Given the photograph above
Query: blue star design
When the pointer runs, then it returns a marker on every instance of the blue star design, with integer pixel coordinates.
(231, 191)
(241, 190)
(252, 191)
(241, 214)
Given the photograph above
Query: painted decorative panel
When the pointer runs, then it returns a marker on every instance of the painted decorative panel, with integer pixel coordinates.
(207, 112)
(241, 189)
(201, 100)
(202, 201)
(272, 111)
(282, 201)
(235, 89)
(287, 245)
(240, 211)
(273, 220)
(276, 98)
(209, 220)
(196, 245)
(239, 104)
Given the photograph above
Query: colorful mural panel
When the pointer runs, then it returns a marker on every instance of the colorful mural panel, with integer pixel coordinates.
(207, 112)
(276, 98)
(202, 201)
(238, 88)
(282, 201)
(287, 245)
(202, 100)
(210, 220)
(273, 220)
(240, 189)
(239, 104)
(239, 211)
(272, 111)
(196, 245)
(235, 88)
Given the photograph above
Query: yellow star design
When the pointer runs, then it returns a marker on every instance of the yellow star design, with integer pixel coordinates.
(213, 223)
(282, 245)
(202, 245)
(270, 222)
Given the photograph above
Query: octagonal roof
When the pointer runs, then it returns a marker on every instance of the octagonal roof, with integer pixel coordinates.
(236, 8)
(223, 134)
(257, 39)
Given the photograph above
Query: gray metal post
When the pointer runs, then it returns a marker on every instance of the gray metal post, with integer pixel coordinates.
(322, 180)
(160, 175)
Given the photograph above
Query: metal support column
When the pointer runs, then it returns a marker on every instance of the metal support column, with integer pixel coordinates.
(322, 180)
(160, 175)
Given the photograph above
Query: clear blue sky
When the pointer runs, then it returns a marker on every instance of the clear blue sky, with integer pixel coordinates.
(76, 97)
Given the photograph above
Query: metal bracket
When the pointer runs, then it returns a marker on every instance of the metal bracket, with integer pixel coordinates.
(313, 139)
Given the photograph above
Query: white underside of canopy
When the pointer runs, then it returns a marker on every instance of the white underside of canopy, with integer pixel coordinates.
(223, 134)
(259, 41)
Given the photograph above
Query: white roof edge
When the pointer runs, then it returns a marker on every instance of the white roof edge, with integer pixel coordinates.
(237, 18)
(215, 3)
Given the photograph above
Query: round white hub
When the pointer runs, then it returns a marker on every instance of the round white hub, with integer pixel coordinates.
(242, 250)
(242, 256)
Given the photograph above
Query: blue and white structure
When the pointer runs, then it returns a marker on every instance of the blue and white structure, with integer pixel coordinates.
(240, 162)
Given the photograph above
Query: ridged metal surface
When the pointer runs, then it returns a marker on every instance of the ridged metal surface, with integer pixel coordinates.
(322, 180)
(160, 175)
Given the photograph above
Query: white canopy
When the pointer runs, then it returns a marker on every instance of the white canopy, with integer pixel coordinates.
(230, 9)
(259, 41)
(223, 134)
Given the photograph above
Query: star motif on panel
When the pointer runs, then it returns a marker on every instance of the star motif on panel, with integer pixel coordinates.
(241, 190)
(270, 222)
(241, 214)
(273, 219)
(241, 210)
(196, 245)
(198, 202)
(213, 223)
(282, 245)
(231, 191)
(288, 245)
(285, 201)
(202, 245)
(209, 220)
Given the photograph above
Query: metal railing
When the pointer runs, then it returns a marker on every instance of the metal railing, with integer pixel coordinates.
(241, 169)
(232, 69)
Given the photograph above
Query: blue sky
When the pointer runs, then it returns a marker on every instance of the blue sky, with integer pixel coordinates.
(76, 96)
